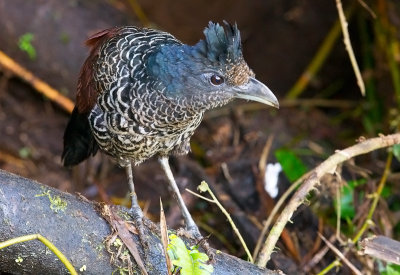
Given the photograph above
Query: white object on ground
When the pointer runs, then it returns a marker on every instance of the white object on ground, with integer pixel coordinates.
(271, 178)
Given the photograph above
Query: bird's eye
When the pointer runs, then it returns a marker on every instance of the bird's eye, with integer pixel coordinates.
(216, 80)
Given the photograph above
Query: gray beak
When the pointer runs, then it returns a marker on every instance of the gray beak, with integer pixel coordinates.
(256, 91)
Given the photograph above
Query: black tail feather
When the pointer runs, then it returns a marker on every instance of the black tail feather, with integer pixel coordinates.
(79, 143)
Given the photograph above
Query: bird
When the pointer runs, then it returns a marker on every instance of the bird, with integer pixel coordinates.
(142, 93)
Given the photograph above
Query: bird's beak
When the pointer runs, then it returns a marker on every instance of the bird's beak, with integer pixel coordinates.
(256, 91)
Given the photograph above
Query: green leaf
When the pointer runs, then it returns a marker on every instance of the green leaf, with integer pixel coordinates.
(346, 199)
(199, 263)
(178, 253)
(292, 166)
(191, 262)
(346, 203)
(391, 269)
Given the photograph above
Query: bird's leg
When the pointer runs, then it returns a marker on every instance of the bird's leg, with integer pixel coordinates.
(190, 225)
(135, 208)
(135, 211)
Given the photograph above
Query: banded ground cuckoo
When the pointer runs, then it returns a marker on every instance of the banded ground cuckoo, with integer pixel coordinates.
(142, 93)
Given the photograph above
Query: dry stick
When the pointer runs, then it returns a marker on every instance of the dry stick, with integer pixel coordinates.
(340, 255)
(274, 211)
(328, 166)
(261, 183)
(42, 87)
(262, 163)
(203, 187)
(367, 8)
(349, 48)
(318, 257)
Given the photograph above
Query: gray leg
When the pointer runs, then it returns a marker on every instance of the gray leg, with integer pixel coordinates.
(135, 208)
(135, 211)
(190, 225)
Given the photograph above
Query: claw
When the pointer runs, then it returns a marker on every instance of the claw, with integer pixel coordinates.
(194, 233)
(137, 216)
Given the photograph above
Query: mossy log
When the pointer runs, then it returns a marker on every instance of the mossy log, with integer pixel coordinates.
(75, 226)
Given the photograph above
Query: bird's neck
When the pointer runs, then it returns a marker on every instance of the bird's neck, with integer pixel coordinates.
(174, 68)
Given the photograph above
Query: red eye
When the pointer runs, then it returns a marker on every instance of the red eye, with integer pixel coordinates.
(216, 80)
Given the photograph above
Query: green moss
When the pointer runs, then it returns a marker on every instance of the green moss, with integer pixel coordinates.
(57, 204)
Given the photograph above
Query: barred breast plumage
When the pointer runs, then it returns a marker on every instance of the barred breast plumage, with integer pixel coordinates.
(133, 119)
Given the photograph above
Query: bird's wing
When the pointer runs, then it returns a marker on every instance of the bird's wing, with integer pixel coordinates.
(86, 95)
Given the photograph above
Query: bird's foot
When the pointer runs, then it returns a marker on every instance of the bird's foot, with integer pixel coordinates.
(137, 215)
(194, 233)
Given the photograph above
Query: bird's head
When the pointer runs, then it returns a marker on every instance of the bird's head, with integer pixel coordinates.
(211, 72)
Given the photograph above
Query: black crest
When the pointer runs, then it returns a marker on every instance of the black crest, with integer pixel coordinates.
(221, 43)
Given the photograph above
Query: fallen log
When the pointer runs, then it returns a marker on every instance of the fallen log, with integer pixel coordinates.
(75, 226)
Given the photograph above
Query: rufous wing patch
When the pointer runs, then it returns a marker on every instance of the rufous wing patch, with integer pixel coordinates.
(87, 93)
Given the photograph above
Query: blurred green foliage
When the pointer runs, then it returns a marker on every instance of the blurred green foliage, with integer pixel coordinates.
(292, 166)
(25, 44)
(390, 269)
(347, 210)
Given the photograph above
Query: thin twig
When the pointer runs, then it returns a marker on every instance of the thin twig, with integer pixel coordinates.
(328, 166)
(225, 171)
(215, 232)
(203, 187)
(200, 196)
(318, 256)
(338, 209)
(262, 163)
(367, 8)
(376, 196)
(349, 48)
(340, 255)
(274, 211)
(42, 87)
(328, 268)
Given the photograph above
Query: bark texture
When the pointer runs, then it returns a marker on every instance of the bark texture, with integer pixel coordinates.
(78, 231)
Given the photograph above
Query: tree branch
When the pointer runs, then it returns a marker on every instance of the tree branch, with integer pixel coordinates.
(328, 166)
